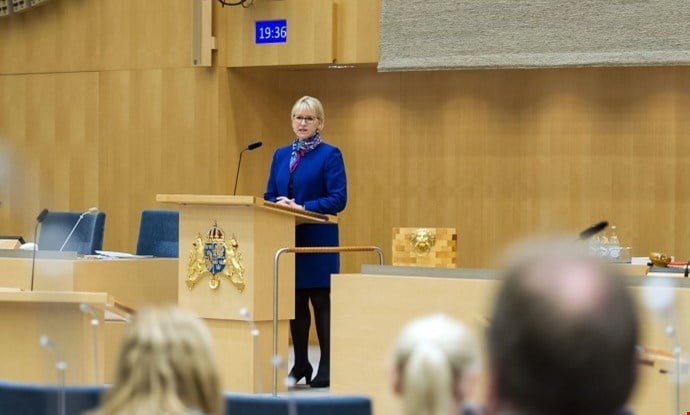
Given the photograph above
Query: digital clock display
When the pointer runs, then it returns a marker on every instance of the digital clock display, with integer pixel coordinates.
(271, 31)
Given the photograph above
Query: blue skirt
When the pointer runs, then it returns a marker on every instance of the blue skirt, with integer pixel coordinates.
(314, 270)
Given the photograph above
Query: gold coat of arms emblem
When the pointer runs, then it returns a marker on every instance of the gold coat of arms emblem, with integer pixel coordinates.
(213, 257)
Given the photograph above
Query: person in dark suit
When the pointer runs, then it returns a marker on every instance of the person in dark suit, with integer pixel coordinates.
(563, 336)
(309, 174)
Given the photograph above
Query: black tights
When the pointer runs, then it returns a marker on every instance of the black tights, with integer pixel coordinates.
(299, 327)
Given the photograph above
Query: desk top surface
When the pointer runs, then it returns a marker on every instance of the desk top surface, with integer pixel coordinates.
(633, 275)
(301, 216)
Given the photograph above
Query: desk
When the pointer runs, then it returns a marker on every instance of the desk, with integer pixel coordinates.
(26, 316)
(368, 311)
(132, 282)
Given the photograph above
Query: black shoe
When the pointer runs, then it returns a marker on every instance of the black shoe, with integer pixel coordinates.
(302, 373)
(320, 382)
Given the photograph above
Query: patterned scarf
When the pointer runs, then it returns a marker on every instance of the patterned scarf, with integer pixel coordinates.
(302, 147)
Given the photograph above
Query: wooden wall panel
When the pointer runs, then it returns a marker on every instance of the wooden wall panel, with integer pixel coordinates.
(498, 154)
(310, 34)
(145, 34)
(78, 35)
(357, 31)
(257, 109)
(158, 134)
(495, 154)
(48, 138)
(57, 35)
(351, 36)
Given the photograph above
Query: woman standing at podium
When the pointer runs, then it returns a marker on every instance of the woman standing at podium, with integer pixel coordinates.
(310, 174)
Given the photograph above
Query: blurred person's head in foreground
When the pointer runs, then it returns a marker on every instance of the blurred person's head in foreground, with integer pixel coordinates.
(166, 365)
(435, 361)
(563, 334)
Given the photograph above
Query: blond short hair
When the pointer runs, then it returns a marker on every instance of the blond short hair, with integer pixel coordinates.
(166, 365)
(310, 103)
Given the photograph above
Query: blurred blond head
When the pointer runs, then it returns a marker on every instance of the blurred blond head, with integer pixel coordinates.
(435, 360)
(166, 365)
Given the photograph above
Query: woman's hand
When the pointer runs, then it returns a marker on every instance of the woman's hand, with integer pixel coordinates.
(282, 200)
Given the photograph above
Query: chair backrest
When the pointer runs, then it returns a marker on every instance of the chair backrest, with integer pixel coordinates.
(159, 232)
(30, 399)
(34, 399)
(87, 236)
(247, 404)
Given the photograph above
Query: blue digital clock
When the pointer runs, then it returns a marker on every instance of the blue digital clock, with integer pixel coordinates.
(271, 31)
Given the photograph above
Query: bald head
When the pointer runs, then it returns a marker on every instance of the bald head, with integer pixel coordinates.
(574, 287)
(563, 336)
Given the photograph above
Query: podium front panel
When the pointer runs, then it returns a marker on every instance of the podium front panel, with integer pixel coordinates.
(259, 234)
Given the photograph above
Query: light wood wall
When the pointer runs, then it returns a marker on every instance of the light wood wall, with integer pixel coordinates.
(159, 132)
(357, 31)
(48, 146)
(93, 35)
(121, 115)
(498, 154)
(320, 32)
(310, 34)
(99, 106)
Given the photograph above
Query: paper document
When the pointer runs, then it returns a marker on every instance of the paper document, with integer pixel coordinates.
(115, 254)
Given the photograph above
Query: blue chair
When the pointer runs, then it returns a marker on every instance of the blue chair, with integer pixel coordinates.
(247, 404)
(31, 399)
(87, 236)
(159, 232)
(471, 409)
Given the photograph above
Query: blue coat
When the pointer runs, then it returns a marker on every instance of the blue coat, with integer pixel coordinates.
(319, 183)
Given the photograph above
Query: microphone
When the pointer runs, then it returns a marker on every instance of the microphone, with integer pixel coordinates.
(87, 309)
(90, 211)
(250, 147)
(61, 366)
(593, 230)
(40, 218)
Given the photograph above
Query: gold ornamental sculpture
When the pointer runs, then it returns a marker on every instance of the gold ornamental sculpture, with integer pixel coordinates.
(425, 247)
(422, 241)
(215, 258)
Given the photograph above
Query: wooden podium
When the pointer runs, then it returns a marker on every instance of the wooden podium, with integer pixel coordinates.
(252, 231)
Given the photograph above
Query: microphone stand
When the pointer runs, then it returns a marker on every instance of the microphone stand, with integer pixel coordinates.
(61, 367)
(254, 331)
(33, 255)
(252, 146)
(87, 309)
(73, 229)
(237, 175)
(672, 335)
(39, 219)
(659, 297)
